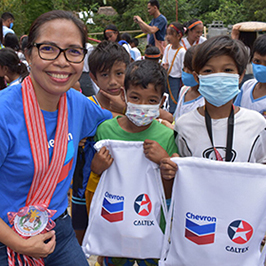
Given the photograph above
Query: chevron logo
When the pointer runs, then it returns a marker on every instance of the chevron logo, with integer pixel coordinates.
(112, 208)
(201, 232)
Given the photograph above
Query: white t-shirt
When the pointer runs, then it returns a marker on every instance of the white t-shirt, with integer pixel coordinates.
(183, 107)
(249, 141)
(185, 43)
(245, 98)
(136, 51)
(169, 53)
(7, 30)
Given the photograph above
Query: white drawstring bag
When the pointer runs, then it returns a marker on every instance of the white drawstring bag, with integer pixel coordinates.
(218, 214)
(126, 207)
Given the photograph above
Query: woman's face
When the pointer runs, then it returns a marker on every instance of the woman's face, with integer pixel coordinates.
(111, 36)
(53, 78)
(195, 33)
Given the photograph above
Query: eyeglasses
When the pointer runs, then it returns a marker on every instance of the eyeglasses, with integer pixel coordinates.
(48, 51)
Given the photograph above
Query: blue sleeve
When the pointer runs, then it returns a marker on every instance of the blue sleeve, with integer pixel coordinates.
(238, 98)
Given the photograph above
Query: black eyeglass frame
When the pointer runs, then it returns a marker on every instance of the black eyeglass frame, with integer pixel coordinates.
(38, 45)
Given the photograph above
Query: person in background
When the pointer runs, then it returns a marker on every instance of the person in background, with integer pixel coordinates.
(134, 42)
(189, 96)
(1, 34)
(8, 22)
(111, 33)
(11, 41)
(194, 30)
(253, 91)
(42, 121)
(125, 42)
(11, 67)
(173, 60)
(156, 28)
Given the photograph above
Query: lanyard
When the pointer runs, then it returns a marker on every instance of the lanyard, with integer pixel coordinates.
(230, 132)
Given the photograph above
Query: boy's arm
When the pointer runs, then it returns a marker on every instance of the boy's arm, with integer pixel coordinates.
(101, 161)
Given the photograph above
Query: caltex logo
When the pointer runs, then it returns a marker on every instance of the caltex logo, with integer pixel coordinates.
(142, 205)
(200, 229)
(240, 231)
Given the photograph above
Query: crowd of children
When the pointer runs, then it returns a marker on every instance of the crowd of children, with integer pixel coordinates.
(209, 116)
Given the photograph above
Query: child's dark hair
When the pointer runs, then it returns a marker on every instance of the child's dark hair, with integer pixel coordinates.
(126, 37)
(177, 27)
(11, 41)
(9, 58)
(113, 28)
(105, 54)
(190, 25)
(152, 53)
(145, 72)
(189, 57)
(135, 41)
(259, 46)
(218, 46)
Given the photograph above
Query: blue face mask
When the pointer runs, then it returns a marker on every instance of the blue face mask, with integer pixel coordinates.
(218, 89)
(11, 25)
(259, 72)
(188, 79)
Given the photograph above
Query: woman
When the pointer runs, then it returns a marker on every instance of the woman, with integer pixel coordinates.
(41, 124)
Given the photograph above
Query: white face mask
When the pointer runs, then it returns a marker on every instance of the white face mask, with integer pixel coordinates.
(142, 114)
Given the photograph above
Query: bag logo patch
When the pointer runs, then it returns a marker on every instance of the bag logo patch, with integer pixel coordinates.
(112, 207)
(201, 230)
(240, 231)
(143, 205)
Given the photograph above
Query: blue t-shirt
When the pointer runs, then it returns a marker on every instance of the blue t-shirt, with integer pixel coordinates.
(16, 161)
(161, 23)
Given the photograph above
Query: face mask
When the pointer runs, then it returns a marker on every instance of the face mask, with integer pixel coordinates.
(11, 25)
(218, 89)
(188, 79)
(259, 72)
(142, 114)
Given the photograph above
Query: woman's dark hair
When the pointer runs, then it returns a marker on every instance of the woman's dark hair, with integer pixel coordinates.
(112, 27)
(145, 72)
(34, 31)
(11, 41)
(248, 38)
(189, 57)
(105, 54)
(9, 58)
(189, 24)
(218, 46)
(259, 46)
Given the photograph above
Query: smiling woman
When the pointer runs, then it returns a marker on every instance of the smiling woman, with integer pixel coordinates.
(35, 176)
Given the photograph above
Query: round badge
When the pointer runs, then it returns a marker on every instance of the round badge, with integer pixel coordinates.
(32, 223)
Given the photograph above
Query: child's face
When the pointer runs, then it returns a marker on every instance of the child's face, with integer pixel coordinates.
(259, 59)
(111, 36)
(112, 80)
(171, 36)
(138, 95)
(218, 64)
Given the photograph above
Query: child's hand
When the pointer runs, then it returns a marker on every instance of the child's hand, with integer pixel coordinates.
(82, 142)
(101, 161)
(165, 66)
(116, 103)
(154, 151)
(168, 168)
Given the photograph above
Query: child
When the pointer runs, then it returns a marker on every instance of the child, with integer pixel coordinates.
(219, 130)
(11, 68)
(253, 91)
(189, 96)
(194, 33)
(173, 61)
(145, 82)
(134, 42)
(107, 63)
(151, 53)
